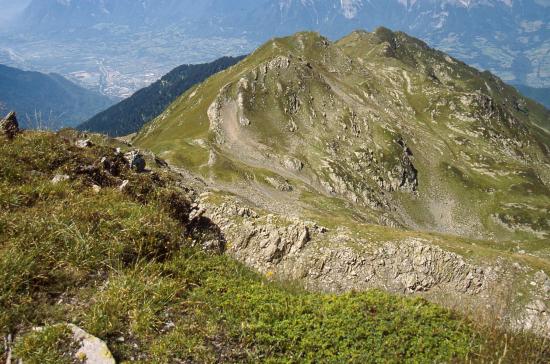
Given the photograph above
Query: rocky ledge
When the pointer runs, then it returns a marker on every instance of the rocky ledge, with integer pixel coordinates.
(339, 261)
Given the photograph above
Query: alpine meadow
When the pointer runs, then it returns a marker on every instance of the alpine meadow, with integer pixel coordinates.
(275, 181)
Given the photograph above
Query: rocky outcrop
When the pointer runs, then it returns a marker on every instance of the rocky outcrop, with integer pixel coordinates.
(407, 266)
(406, 170)
(293, 164)
(536, 316)
(297, 249)
(279, 183)
(214, 114)
(339, 261)
(135, 161)
(9, 126)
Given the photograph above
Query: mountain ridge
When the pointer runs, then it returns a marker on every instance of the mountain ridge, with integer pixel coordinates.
(381, 142)
(131, 114)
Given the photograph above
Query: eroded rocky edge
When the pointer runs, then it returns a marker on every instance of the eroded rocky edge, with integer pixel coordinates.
(335, 261)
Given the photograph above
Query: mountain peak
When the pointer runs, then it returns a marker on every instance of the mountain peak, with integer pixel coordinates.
(361, 101)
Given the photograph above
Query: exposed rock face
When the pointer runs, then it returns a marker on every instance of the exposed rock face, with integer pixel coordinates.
(410, 265)
(338, 261)
(9, 126)
(537, 312)
(214, 113)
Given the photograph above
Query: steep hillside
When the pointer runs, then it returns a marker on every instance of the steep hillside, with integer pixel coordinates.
(126, 256)
(131, 114)
(379, 139)
(415, 137)
(47, 100)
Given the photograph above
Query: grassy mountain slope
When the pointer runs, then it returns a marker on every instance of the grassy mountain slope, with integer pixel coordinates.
(122, 265)
(131, 114)
(373, 162)
(408, 135)
(47, 100)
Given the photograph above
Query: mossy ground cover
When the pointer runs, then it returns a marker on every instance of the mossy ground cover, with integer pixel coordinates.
(121, 266)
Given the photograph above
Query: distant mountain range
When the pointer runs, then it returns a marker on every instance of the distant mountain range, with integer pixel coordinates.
(541, 95)
(47, 100)
(131, 114)
(10, 9)
(511, 38)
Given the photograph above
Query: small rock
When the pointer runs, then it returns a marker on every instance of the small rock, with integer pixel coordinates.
(96, 188)
(196, 214)
(537, 306)
(92, 349)
(60, 178)
(9, 126)
(293, 164)
(161, 162)
(213, 245)
(84, 143)
(135, 161)
(169, 325)
(541, 277)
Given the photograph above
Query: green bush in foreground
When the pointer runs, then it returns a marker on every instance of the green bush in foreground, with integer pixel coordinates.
(118, 265)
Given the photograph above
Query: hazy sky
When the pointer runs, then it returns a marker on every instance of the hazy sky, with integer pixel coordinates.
(10, 7)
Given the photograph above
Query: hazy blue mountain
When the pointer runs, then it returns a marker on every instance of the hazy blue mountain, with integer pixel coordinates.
(511, 38)
(10, 9)
(541, 95)
(46, 100)
(129, 115)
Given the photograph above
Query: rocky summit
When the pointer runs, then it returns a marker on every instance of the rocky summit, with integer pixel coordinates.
(372, 161)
